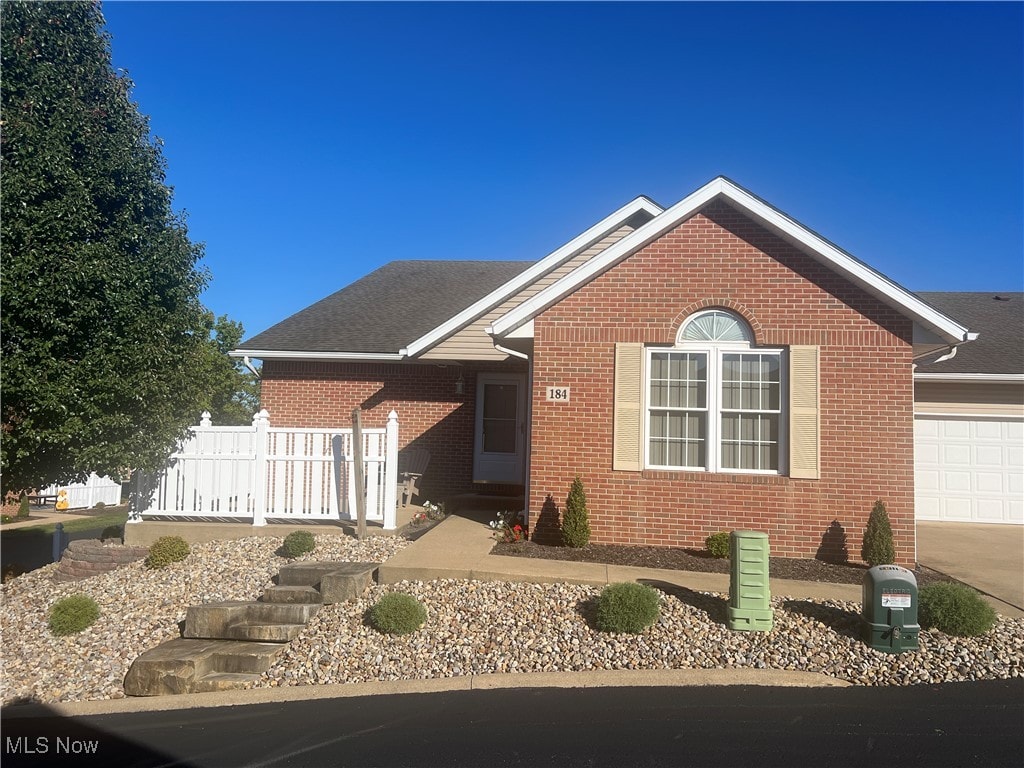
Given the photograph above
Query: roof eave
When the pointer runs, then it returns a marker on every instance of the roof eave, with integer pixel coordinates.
(314, 356)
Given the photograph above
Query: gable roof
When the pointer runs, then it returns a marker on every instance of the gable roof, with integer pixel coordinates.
(999, 349)
(378, 315)
(935, 328)
(406, 307)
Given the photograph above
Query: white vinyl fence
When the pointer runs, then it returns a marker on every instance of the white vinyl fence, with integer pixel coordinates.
(95, 490)
(265, 473)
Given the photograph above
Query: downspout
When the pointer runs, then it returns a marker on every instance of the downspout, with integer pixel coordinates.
(514, 353)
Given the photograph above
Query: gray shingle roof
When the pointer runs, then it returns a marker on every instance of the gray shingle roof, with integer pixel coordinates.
(388, 309)
(998, 318)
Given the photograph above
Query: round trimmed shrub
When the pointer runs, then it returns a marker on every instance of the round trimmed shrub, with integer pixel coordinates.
(72, 614)
(166, 550)
(955, 609)
(717, 544)
(298, 543)
(627, 607)
(112, 532)
(397, 614)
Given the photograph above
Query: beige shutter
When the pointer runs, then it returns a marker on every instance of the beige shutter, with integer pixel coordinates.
(629, 376)
(804, 423)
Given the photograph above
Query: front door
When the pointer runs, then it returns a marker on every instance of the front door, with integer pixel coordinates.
(499, 456)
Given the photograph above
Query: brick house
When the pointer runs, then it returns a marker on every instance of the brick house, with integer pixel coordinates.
(709, 366)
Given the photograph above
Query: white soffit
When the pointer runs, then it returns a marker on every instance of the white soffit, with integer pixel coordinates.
(584, 240)
(817, 247)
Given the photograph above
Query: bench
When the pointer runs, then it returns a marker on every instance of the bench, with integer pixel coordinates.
(412, 463)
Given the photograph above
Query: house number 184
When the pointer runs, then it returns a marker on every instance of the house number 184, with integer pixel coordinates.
(558, 394)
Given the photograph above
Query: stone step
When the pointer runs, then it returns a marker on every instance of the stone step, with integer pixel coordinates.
(265, 632)
(336, 581)
(175, 667)
(281, 594)
(215, 620)
(222, 681)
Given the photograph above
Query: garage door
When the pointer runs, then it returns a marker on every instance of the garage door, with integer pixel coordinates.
(969, 470)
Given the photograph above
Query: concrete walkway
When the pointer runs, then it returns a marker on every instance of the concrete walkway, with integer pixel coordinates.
(988, 557)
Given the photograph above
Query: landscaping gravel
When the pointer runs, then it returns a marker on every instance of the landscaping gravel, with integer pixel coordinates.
(472, 628)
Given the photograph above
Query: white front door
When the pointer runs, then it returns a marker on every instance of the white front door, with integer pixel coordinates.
(499, 455)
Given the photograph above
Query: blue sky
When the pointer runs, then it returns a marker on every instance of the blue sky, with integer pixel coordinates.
(311, 143)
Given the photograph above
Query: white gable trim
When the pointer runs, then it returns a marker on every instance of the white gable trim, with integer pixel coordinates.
(494, 298)
(817, 247)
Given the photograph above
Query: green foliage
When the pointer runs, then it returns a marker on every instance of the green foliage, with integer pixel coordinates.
(575, 521)
(166, 550)
(23, 507)
(112, 532)
(878, 548)
(717, 544)
(73, 614)
(955, 609)
(298, 543)
(108, 353)
(627, 607)
(397, 614)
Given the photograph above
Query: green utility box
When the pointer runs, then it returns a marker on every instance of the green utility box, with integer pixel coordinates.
(889, 609)
(750, 599)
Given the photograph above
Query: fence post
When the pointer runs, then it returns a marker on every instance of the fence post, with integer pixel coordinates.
(261, 423)
(58, 541)
(391, 473)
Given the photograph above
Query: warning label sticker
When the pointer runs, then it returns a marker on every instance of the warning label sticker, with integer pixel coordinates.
(895, 600)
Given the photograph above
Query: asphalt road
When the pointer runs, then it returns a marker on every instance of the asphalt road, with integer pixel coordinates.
(964, 724)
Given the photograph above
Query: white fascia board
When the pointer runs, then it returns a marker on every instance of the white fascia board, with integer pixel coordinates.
(817, 247)
(538, 270)
(270, 354)
(953, 378)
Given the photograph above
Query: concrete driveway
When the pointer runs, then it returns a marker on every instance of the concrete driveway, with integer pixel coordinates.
(988, 557)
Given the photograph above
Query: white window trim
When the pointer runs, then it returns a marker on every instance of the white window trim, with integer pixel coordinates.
(713, 448)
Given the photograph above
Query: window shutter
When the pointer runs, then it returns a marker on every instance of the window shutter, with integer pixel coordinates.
(804, 422)
(629, 369)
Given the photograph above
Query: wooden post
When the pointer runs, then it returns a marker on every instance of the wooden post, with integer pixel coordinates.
(359, 470)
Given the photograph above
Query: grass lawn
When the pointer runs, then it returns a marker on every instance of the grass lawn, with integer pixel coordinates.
(85, 523)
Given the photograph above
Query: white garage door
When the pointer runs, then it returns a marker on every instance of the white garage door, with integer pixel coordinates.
(969, 470)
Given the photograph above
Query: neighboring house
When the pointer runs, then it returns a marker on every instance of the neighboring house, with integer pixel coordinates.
(969, 436)
(710, 366)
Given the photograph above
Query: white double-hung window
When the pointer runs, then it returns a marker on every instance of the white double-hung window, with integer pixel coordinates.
(714, 402)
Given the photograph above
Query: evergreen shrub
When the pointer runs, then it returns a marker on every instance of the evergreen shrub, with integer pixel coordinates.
(397, 614)
(955, 609)
(717, 544)
(627, 607)
(298, 543)
(166, 550)
(72, 614)
(878, 548)
(575, 521)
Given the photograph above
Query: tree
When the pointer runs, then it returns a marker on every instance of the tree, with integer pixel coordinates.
(575, 521)
(105, 343)
(234, 393)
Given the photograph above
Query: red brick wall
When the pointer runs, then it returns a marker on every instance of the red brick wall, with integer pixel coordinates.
(720, 258)
(431, 414)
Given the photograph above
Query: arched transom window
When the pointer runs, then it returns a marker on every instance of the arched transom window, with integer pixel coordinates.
(714, 401)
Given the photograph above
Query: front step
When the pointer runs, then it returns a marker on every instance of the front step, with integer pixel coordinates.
(179, 666)
(264, 633)
(230, 644)
(240, 620)
(282, 594)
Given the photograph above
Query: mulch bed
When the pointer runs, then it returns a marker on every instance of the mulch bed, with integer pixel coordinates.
(678, 559)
